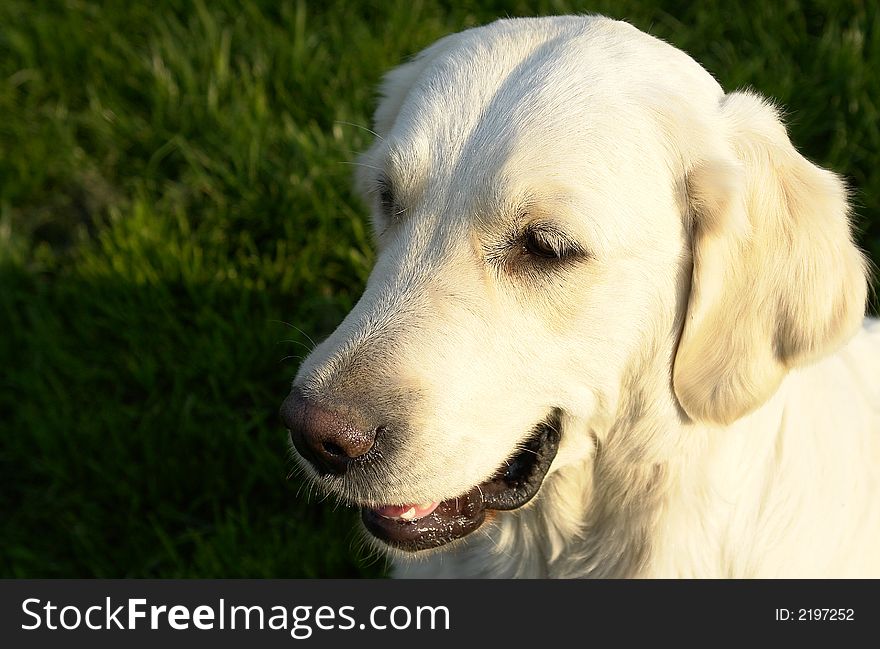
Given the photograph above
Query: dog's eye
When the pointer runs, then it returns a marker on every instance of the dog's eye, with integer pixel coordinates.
(386, 196)
(539, 244)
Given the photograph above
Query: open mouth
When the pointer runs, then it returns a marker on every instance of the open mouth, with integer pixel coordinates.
(413, 527)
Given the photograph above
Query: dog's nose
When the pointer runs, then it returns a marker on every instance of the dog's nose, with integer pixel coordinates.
(329, 440)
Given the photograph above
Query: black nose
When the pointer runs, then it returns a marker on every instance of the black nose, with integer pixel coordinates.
(330, 440)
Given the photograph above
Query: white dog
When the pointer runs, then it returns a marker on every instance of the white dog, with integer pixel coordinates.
(615, 329)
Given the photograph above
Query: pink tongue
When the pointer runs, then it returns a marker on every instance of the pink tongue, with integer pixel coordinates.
(406, 512)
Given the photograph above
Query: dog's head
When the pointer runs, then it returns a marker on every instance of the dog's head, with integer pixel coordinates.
(575, 225)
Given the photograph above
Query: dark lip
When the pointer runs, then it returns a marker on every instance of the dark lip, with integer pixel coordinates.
(512, 486)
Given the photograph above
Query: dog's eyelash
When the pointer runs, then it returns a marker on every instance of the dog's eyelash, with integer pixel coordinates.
(540, 248)
(539, 244)
(548, 243)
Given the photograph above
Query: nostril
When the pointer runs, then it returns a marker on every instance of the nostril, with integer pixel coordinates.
(334, 450)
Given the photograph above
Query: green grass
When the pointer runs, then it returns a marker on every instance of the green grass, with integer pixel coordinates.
(172, 192)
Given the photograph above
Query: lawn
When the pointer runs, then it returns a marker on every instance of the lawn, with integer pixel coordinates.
(176, 224)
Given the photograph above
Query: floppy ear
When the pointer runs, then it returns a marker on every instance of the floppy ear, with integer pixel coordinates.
(777, 281)
(393, 90)
(395, 87)
(397, 83)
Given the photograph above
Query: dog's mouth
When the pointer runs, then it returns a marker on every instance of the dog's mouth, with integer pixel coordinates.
(414, 527)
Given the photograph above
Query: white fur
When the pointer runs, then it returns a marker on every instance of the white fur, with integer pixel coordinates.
(719, 393)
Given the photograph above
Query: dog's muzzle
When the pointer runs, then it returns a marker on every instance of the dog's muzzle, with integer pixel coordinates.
(333, 441)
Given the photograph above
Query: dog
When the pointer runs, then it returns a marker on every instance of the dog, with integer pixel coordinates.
(616, 326)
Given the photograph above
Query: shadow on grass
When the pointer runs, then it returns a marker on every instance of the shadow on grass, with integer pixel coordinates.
(139, 434)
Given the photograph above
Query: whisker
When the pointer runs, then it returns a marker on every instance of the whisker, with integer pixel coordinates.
(296, 342)
(498, 548)
(360, 126)
(359, 164)
(292, 326)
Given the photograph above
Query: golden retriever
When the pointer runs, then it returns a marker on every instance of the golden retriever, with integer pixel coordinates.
(615, 328)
